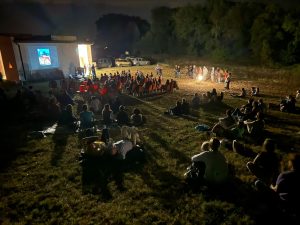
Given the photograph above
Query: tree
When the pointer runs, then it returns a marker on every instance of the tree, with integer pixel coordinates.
(192, 27)
(117, 33)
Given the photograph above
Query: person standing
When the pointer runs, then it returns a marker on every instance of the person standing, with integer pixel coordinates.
(227, 81)
(93, 72)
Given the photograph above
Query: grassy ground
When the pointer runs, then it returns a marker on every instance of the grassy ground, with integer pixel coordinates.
(41, 182)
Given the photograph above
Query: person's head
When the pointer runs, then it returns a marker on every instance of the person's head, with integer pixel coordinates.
(294, 162)
(122, 108)
(196, 95)
(178, 103)
(69, 108)
(214, 144)
(240, 124)
(136, 111)
(84, 107)
(269, 145)
(205, 146)
(183, 100)
(228, 112)
(107, 107)
(260, 101)
(259, 116)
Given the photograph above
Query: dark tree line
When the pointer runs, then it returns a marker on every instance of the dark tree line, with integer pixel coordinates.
(117, 33)
(221, 29)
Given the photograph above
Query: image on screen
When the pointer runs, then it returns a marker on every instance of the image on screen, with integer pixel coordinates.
(44, 56)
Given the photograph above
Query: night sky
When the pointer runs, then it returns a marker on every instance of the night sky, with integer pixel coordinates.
(71, 17)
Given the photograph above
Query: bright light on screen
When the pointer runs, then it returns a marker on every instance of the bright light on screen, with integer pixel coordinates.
(44, 56)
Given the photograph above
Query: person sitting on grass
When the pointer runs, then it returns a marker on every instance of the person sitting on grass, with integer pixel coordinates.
(238, 131)
(288, 186)
(95, 104)
(222, 127)
(185, 107)
(176, 110)
(67, 117)
(256, 127)
(298, 94)
(265, 166)
(214, 163)
(137, 118)
(196, 101)
(242, 94)
(122, 116)
(288, 105)
(107, 115)
(86, 118)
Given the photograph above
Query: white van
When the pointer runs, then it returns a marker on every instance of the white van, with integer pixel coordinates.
(104, 62)
(140, 61)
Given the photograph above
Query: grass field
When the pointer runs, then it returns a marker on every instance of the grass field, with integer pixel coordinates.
(41, 182)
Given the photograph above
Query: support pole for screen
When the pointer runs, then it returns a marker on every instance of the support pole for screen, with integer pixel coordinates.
(24, 74)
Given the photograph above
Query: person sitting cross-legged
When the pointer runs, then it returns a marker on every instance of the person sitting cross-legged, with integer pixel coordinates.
(214, 163)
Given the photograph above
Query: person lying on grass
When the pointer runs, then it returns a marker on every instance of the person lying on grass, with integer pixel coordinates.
(213, 163)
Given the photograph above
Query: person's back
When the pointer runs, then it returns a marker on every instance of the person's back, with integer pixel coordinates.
(122, 116)
(137, 117)
(95, 104)
(86, 118)
(67, 117)
(288, 185)
(185, 107)
(266, 164)
(106, 114)
(216, 167)
(196, 101)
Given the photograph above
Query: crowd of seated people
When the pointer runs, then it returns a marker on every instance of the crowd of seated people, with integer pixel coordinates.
(181, 108)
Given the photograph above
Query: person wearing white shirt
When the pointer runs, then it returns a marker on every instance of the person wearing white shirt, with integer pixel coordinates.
(216, 167)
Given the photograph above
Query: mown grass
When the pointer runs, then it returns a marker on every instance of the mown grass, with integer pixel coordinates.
(42, 182)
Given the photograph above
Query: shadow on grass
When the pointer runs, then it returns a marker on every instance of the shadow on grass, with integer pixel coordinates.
(98, 172)
(60, 142)
(174, 153)
(215, 108)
